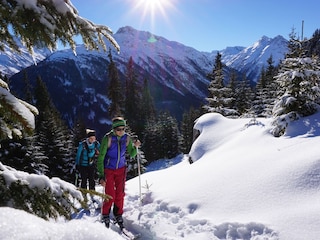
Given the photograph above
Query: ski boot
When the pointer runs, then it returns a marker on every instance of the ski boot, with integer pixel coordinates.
(106, 220)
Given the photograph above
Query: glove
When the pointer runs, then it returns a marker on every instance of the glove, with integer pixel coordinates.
(77, 168)
(102, 181)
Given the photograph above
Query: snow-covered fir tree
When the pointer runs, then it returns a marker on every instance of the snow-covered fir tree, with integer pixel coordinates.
(220, 96)
(244, 96)
(54, 138)
(265, 91)
(40, 24)
(186, 128)
(299, 79)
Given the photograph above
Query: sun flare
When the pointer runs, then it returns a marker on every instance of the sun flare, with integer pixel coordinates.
(153, 9)
(154, 6)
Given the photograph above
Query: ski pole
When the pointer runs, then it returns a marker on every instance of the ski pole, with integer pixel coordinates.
(139, 174)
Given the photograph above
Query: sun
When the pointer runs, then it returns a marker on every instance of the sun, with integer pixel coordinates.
(153, 9)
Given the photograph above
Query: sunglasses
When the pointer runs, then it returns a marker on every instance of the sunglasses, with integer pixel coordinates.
(119, 129)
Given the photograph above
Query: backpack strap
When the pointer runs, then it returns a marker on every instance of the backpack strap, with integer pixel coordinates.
(84, 146)
(109, 136)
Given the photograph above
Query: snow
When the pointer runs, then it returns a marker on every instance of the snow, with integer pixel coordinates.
(244, 184)
(22, 108)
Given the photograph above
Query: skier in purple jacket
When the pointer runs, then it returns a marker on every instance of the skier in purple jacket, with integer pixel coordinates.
(112, 168)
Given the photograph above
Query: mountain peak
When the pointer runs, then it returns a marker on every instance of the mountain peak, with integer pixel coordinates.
(126, 29)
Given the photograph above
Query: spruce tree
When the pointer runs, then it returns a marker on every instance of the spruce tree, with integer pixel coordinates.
(29, 26)
(169, 135)
(299, 79)
(220, 96)
(28, 88)
(133, 106)
(115, 90)
(244, 96)
(186, 129)
(152, 140)
(53, 135)
(231, 95)
(258, 103)
(148, 110)
(265, 93)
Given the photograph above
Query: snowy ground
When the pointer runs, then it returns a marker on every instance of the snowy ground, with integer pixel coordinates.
(244, 184)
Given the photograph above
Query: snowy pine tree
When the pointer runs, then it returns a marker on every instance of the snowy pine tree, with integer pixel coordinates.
(41, 24)
(265, 93)
(220, 96)
(53, 135)
(133, 96)
(115, 90)
(299, 79)
(187, 123)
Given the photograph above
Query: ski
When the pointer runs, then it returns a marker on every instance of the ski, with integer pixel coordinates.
(129, 235)
(125, 233)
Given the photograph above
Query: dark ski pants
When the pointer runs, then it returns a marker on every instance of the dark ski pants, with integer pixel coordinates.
(115, 183)
(87, 174)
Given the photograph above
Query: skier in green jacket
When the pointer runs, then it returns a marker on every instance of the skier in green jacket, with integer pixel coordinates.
(112, 168)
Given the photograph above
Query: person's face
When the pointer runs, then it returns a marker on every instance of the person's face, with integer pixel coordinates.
(119, 131)
(91, 139)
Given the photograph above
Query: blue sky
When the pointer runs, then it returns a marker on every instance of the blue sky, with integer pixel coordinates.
(207, 25)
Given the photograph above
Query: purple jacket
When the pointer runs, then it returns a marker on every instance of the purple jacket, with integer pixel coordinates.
(116, 154)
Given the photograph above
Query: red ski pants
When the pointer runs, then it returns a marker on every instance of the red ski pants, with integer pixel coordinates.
(115, 183)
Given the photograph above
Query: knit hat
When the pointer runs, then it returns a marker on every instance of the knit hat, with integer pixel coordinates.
(118, 122)
(90, 133)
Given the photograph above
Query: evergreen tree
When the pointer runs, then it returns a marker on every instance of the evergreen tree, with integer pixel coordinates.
(187, 124)
(133, 106)
(258, 104)
(294, 45)
(313, 45)
(169, 143)
(35, 156)
(16, 116)
(115, 93)
(31, 26)
(79, 131)
(244, 96)
(219, 99)
(215, 87)
(152, 140)
(53, 135)
(148, 110)
(27, 88)
(299, 93)
(28, 25)
(266, 89)
(232, 95)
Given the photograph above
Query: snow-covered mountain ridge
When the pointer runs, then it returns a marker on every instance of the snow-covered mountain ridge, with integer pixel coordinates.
(176, 73)
(12, 62)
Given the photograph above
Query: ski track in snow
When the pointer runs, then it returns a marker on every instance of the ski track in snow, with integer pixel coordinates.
(159, 216)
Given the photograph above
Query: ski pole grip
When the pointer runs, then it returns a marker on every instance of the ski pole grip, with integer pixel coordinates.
(135, 138)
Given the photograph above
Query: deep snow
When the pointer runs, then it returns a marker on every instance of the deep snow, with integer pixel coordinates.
(244, 184)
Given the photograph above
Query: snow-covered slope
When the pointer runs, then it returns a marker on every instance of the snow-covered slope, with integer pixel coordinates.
(244, 184)
(242, 179)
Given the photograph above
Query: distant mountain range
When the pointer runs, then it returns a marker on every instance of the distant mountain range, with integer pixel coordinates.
(176, 73)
